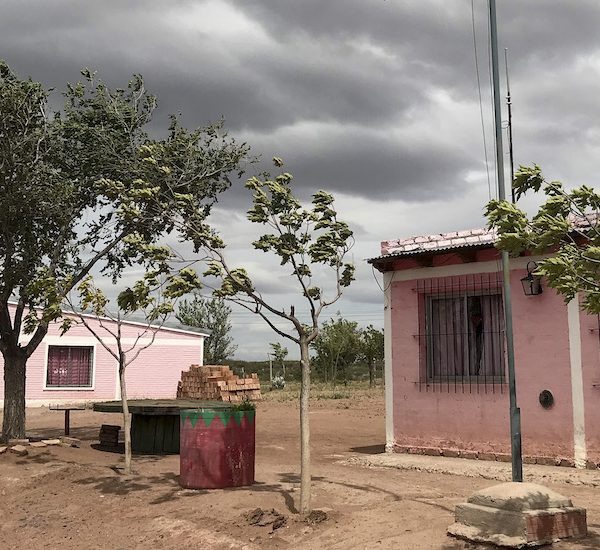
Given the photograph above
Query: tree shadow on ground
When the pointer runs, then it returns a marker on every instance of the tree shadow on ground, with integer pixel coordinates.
(369, 449)
(85, 433)
(395, 497)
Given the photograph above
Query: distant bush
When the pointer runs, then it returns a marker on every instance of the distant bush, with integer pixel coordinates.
(278, 382)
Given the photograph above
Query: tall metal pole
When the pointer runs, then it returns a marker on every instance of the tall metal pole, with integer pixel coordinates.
(515, 413)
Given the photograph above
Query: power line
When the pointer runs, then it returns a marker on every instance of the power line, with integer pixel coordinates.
(487, 167)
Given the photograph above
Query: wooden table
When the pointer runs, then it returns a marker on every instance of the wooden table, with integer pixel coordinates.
(155, 422)
(67, 409)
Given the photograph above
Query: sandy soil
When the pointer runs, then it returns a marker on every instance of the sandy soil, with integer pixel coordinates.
(75, 498)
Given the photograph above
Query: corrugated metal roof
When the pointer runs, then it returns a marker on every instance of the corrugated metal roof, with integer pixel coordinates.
(439, 242)
(456, 240)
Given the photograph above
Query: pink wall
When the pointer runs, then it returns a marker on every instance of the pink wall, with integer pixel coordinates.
(426, 416)
(153, 374)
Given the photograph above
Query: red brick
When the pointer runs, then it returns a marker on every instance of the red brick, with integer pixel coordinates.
(529, 460)
(567, 463)
(503, 457)
(472, 455)
(570, 523)
(415, 450)
(591, 465)
(452, 453)
(545, 460)
(486, 456)
(431, 451)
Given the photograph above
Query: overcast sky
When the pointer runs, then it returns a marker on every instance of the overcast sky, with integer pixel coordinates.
(373, 100)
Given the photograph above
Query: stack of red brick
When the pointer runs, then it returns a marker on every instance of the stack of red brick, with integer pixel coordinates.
(217, 383)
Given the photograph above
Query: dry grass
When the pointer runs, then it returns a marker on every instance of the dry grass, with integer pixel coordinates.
(321, 390)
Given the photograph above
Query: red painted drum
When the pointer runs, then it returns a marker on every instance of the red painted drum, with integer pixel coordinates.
(216, 448)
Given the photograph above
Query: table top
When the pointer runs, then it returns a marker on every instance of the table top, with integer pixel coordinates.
(159, 406)
(61, 407)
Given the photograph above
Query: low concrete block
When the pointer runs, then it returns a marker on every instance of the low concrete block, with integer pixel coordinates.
(19, 450)
(38, 444)
(18, 442)
(3, 450)
(518, 515)
(51, 441)
(70, 441)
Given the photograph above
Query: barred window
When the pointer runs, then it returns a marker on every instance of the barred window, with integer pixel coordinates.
(461, 333)
(464, 334)
(69, 367)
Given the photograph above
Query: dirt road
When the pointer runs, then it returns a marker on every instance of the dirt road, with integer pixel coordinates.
(75, 498)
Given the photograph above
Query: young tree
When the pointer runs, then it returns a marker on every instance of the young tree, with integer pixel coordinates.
(307, 241)
(212, 314)
(279, 354)
(337, 347)
(155, 296)
(75, 197)
(566, 225)
(371, 349)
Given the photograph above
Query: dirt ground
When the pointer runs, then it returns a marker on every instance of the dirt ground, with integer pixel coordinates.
(75, 498)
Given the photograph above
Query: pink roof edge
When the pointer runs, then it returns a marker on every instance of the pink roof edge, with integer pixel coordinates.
(463, 239)
(439, 241)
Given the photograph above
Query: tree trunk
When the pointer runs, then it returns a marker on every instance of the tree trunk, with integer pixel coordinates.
(305, 476)
(13, 422)
(371, 374)
(126, 419)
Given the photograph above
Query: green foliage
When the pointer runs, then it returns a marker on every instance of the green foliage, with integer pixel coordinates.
(303, 239)
(212, 314)
(279, 353)
(87, 188)
(337, 348)
(372, 344)
(565, 227)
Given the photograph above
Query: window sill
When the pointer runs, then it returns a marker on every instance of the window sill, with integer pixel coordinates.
(68, 388)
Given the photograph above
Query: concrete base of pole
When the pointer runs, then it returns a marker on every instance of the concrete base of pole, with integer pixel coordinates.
(518, 515)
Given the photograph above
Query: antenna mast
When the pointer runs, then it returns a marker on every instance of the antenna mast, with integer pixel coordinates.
(510, 134)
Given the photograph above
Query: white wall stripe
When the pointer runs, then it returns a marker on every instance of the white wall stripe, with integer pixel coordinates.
(389, 380)
(579, 446)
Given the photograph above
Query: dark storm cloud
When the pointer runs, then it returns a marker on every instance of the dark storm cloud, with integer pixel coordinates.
(362, 65)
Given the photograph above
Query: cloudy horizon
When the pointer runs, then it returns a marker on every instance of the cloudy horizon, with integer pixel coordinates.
(375, 101)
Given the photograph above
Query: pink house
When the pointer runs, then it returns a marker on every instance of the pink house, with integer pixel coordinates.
(445, 373)
(75, 367)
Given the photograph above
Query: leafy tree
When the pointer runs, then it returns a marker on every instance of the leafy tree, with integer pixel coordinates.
(567, 225)
(212, 314)
(279, 354)
(86, 189)
(311, 243)
(372, 346)
(337, 347)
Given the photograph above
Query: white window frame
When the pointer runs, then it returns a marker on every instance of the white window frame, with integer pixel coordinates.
(71, 343)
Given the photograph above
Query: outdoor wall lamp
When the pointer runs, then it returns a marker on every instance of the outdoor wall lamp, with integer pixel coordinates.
(532, 284)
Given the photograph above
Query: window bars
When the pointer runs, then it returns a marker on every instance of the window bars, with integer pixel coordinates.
(461, 334)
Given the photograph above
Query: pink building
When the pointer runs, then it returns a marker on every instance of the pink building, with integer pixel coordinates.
(445, 375)
(75, 367)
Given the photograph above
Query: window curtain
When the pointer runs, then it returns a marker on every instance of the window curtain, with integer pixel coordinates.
(69, 366)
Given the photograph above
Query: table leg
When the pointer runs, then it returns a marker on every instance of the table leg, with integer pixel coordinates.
(67, 422)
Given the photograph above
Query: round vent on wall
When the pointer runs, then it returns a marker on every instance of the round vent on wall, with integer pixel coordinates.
(546, 399)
